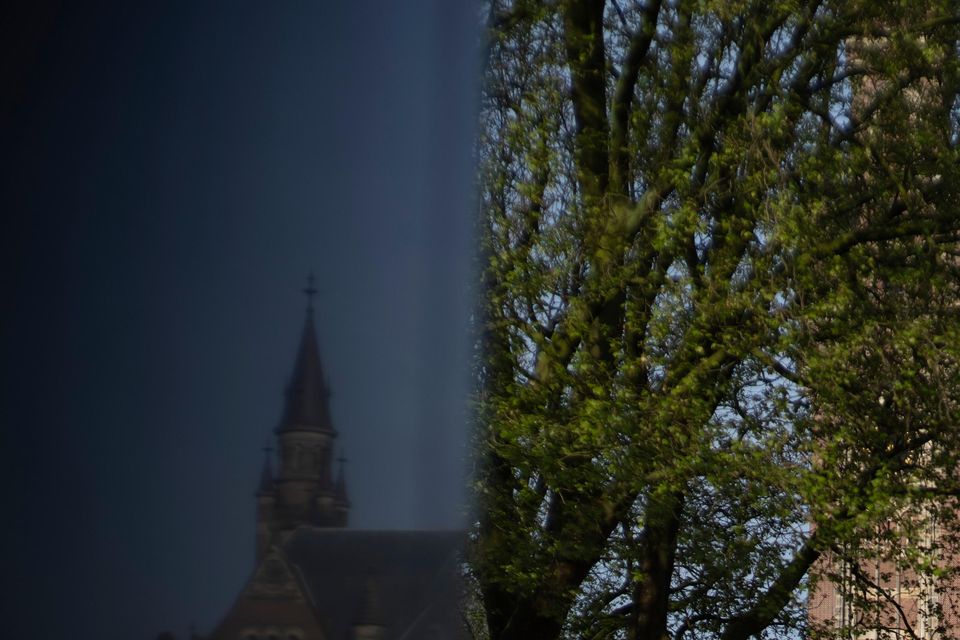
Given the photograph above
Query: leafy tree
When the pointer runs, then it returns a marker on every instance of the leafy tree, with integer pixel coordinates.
(719, 333)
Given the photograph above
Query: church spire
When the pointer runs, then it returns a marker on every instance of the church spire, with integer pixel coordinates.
(307, 402)
(306, 493)
(310, 290)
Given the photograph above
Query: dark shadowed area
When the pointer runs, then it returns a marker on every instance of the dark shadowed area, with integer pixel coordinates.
(169, 175)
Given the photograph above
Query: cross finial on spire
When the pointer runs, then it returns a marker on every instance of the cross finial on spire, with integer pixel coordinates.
(310, 291)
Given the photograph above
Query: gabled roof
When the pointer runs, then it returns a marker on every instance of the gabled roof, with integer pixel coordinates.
(307, 404)
(407, 580)
(273, 600)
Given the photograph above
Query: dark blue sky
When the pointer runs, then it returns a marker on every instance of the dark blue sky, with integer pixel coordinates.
(168, 176)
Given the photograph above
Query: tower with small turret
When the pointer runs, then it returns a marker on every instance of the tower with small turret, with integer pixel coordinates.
(314, 578)
(304, 490)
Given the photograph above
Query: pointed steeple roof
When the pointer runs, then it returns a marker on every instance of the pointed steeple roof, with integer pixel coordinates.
(307, 399)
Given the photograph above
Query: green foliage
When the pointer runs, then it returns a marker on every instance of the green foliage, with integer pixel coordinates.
(718, 350)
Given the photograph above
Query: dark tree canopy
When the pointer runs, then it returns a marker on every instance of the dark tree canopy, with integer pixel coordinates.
(719, 335)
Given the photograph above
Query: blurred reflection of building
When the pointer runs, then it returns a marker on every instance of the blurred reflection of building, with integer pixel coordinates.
(316, 579)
